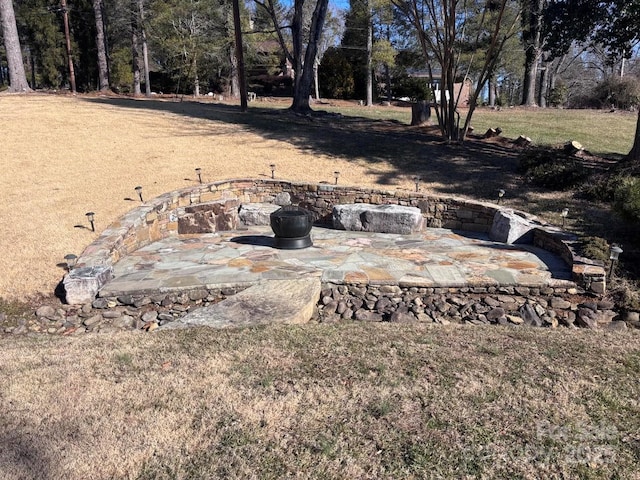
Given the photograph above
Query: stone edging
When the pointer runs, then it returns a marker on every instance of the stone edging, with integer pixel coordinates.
(160, 217)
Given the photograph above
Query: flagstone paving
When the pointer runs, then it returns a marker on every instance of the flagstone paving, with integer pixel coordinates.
(433, 258)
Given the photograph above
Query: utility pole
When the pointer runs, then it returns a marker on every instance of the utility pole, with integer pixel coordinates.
(65, 17)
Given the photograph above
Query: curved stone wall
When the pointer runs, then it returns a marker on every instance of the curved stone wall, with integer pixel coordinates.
(172, 213)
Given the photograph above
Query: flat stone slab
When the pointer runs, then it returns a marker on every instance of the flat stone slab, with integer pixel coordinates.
(364, 217)
(274, 301)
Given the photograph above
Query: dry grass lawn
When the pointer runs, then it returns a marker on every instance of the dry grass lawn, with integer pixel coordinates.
(351, 401)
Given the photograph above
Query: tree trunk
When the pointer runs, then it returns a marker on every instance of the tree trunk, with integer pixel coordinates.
(237, 27)
(234, 80)
(544, 80)
(135, 56)
(145, 50)
(67, 36)
(492, 91)
(531, 39)
(304, 76)
(196, 79)
(316, 64)
(17, 76)
(634, 154)
(369, 99)
(101, 44)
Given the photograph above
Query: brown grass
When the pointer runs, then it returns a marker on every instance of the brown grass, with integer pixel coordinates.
(322, 401)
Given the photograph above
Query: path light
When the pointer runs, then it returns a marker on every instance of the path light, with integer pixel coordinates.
(501, 193)
(71, 260)
(273, 170)
(91, 217)
(138, 190)
(416, 180)
(199, 173)
(336, 176)
(614, 253)
(564, 213)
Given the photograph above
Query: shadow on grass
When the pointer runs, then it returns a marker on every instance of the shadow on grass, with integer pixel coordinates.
(475, 169)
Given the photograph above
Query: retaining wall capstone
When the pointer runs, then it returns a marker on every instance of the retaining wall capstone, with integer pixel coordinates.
(179, 212)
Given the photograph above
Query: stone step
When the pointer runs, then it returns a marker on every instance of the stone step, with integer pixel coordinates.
(272, 301)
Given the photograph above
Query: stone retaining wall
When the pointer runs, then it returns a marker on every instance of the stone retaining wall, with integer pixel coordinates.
(540, 307)
(169, 214)
(514, 306)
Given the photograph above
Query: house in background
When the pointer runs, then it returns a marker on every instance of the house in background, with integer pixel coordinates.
(460, 88)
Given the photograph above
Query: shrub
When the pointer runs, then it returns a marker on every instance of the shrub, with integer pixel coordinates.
(558, 95)
(602, 188)
(336, 75)
(411, 87)
(595, 248)
(619, 92)
(551, 169)
(627, 198)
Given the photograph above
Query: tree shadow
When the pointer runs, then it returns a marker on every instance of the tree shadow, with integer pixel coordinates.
(23, 455)
(475, 168)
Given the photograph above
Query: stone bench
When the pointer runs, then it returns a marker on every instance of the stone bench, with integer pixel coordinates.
(365, 217)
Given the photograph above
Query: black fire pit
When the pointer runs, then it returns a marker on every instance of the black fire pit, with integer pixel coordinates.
(292, 227)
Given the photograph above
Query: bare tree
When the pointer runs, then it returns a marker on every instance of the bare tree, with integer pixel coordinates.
(17, 76)
(441, 27)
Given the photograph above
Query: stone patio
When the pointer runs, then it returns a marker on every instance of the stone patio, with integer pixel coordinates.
(432, 258)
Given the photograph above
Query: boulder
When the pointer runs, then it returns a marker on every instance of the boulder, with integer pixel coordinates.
(509, 227)
(363, 217)
(81, 285)
(251, 214)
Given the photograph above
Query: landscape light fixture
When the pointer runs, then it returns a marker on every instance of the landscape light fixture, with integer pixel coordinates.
(199, 173)
(564, 213)
(501, 193)
(70, 260)
(614, 253)
(336, 176)
(91, 217)
(416, 180)
(273, 170)
(138, 190)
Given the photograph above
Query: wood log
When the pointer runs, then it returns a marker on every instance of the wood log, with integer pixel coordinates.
(523, 141)
(573, 147)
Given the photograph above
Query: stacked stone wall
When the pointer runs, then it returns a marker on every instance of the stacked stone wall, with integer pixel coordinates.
(540, 307)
